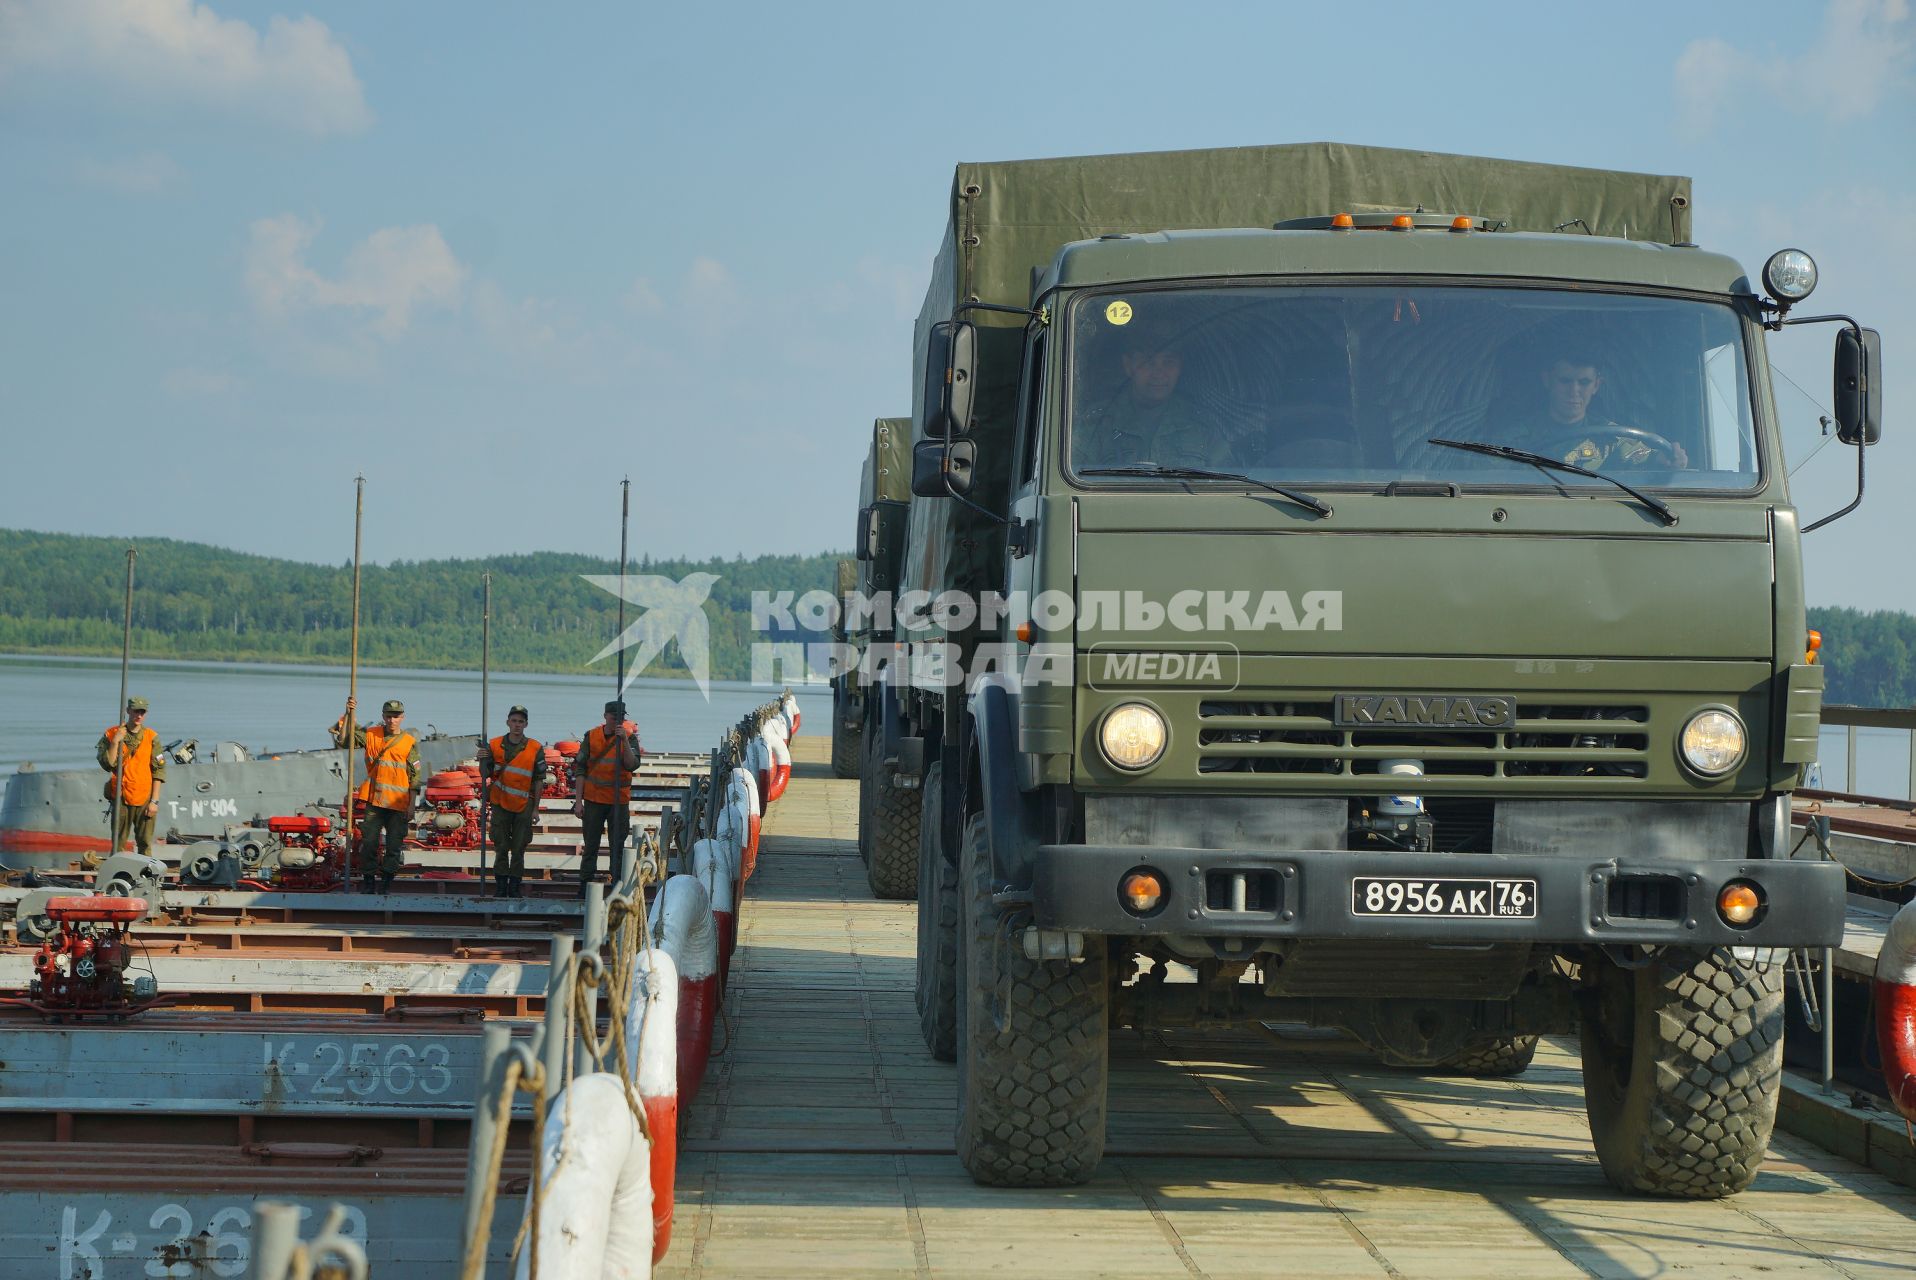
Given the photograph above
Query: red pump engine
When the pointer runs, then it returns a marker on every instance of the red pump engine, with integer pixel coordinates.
(559, 758)
(453, 822)
(310, 857)
(81, 969)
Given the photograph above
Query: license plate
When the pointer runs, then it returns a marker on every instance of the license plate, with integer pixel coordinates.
(1448, 898)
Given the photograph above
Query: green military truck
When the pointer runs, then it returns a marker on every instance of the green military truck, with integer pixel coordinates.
(1386, 613)
(847, 730)
(888, 816)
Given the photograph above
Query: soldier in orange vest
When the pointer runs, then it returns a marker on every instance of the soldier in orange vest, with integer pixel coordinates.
(392, 783)
(145, 771)
(513, 769)
(602, 788)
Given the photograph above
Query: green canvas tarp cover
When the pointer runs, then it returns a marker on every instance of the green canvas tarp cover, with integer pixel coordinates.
(885, 478)
(1008, 219)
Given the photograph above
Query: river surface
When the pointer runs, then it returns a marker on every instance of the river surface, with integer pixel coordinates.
(53, 710)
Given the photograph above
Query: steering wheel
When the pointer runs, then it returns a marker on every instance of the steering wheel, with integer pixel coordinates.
(1649, 439)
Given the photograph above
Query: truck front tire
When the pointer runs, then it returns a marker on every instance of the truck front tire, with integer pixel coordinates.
(887, 828)
(937, 992)
(1033, 1046)
(1682, 1065)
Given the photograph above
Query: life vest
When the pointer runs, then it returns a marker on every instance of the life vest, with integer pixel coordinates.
(138, 766)
(512, 780)
(388, 782)
(607, 781)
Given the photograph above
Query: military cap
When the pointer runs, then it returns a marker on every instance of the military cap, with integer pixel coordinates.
(393, 707)
(136, 704)
(615, 707)
(518, 711)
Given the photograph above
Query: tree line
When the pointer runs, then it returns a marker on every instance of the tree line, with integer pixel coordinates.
(63, 593)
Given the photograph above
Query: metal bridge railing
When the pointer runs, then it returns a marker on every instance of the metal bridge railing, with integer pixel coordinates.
(1850, 719)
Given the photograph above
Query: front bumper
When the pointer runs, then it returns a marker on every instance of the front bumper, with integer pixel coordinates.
(1307, 894)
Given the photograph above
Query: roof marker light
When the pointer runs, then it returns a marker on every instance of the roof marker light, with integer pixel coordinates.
(1461, 223)
(1343, 222)
(1402, 222)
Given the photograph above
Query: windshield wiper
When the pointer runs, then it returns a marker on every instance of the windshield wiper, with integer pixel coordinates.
(1544, 460)
(1199, 473)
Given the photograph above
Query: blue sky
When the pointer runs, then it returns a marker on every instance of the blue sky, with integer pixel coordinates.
(497, 257)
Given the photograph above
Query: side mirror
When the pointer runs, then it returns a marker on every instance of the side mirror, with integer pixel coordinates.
(865, 541)
(941, 468)
(950, 354)
(1858, 398)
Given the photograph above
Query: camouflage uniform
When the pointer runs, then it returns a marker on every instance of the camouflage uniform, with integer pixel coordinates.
(1126, 431)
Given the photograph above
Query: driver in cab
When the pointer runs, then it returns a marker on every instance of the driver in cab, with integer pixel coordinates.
(1570, 430)
(1150, 419)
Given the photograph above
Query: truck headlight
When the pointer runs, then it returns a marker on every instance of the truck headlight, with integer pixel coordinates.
(1133, 736)
(1713, 742)
(1789, 275)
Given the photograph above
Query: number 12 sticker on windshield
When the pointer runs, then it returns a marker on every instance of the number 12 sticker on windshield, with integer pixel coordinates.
(1118, 312)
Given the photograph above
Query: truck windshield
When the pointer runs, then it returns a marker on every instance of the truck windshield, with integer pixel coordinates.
(1349, 384)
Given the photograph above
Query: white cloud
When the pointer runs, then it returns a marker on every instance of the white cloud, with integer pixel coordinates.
(390, 273)
(294, 71)
(131, 175)
(1861, 56)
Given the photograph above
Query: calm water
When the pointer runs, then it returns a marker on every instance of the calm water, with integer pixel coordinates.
(52, 710)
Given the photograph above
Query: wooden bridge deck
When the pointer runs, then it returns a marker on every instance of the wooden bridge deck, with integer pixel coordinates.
(821, 1145)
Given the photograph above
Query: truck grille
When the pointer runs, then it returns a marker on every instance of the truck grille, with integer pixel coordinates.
(1549, 740)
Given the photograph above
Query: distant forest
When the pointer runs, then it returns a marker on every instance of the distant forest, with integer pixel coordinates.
(61, 593)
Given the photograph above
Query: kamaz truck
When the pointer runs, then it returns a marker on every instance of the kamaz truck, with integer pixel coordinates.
(1355, 588)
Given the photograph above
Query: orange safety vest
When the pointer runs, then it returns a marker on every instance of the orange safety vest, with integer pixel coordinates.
(138, 767)
(512, 782)
(388, 783)
(607, 780)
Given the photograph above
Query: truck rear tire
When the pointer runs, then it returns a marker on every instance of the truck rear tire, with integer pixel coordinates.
(1033, 1047)
(1504, 1056)
(1682, 1067)
(937, 992)
(888, 828)
(846, 741)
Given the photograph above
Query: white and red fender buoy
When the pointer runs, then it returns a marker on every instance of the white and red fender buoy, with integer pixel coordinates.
(789, 705)
(651, 1034)
(712, 864)
(774, 735)
(683, 927)
(741, 787)
(1896, 1010)
(596, 1219)
(758, 763)
(734, 831)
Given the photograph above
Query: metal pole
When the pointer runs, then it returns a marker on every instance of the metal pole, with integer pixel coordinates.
(119, 764)
(497, 1038)
(594, 939)
(352, 686)
(1849, 767)
(1911, 793)
(485, 716)
(1829, 1020)
(275, 1239)
(558, 1018)
(625, 511)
